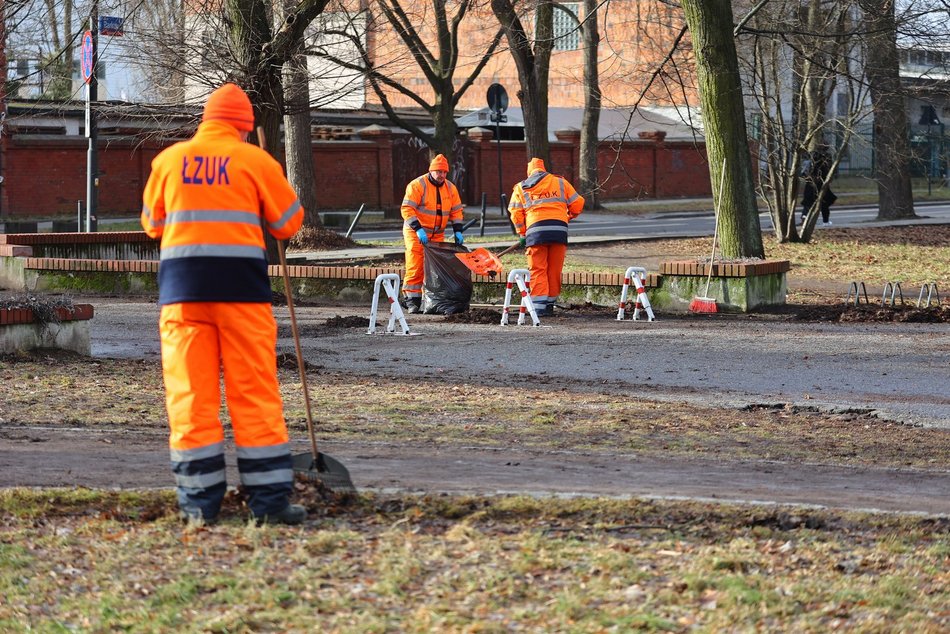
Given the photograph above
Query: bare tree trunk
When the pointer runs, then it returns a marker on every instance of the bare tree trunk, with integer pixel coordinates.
(298, 144)
(717, 68)
(590, 140)
(250, 30)
(533, 64)
(891, 150)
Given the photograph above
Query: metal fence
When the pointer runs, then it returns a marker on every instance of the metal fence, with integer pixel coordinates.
(929, 153)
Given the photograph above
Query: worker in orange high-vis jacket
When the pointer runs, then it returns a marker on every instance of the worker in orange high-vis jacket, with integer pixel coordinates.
(207, 198)
(541, 207)
(432, 205)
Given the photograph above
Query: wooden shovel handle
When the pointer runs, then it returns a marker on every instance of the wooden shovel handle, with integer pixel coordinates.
(510, 249)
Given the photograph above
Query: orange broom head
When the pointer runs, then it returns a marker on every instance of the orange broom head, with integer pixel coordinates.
(703, 305)
(481, 261)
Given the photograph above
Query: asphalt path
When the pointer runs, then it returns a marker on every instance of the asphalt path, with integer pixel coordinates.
(899, 372)
(668, 224)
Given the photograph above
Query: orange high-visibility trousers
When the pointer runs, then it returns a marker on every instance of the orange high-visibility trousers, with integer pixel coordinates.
(197, 339)
(545, 263)
(415, 262)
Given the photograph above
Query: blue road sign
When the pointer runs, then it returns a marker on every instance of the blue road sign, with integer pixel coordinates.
(110, 25)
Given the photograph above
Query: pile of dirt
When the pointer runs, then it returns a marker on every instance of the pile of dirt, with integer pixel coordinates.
(475, 316)
(869, 313)
(594, 310)
(288, 361)
(351, 321)
(322, 239)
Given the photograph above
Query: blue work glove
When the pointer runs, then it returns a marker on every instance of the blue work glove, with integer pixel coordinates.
(423, 236)
(522, 242)
(459, 238)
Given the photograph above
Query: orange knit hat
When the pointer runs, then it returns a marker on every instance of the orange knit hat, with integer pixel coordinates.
(535, 165)
(439, 163)
(230, 104)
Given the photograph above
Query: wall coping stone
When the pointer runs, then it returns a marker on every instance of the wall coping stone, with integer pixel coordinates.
(725, 269)
(310, 271)
(98, 237)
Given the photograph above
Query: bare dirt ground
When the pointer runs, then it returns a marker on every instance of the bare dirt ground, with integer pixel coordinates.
(816, 404)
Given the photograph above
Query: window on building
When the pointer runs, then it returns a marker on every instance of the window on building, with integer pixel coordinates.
(567, 33)
(843, 103)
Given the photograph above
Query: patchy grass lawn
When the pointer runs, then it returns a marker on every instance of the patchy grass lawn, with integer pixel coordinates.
(79, 560)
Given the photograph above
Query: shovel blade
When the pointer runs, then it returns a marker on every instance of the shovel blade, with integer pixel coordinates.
(325, 469)
(481, 261)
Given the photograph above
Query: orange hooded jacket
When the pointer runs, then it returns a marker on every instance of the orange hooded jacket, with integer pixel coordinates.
(205, 198)
(432, 207)
(542, 205)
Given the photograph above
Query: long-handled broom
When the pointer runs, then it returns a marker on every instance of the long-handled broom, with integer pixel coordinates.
(313, 465)
(707, 304)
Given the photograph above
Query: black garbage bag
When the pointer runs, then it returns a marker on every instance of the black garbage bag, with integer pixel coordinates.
(448, 282)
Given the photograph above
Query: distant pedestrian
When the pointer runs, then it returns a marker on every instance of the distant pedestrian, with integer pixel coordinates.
(432, 205)
(817, 170)
(541, 207)
(206, 198)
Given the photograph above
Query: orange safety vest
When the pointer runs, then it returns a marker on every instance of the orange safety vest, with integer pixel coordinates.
(432, 208)
(541, 206)
(205, 198)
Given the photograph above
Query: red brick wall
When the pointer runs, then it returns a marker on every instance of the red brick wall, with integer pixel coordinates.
(44, 178)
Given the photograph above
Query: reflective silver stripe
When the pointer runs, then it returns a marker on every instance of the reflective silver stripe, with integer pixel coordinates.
(408, 222)
(198, 453)
(515, 205)
(258, 478)
(573, 198)
(410, 203)
(546, 228)
(200, 480)
(213, 215)
(213, 251)
(271, 451)
(148, 214)
(286, 216)
(457, 207)
(428, 212)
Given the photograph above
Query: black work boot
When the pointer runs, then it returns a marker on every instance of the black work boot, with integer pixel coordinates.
(414, 305)
(292, 515)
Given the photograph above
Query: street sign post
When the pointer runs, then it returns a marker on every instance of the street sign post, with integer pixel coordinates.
(498, 103)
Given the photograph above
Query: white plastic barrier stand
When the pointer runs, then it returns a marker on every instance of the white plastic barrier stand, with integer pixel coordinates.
(521, 277)
(638, 276)
(390, 283)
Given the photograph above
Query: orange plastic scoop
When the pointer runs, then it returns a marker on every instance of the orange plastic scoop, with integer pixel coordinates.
(481, 261)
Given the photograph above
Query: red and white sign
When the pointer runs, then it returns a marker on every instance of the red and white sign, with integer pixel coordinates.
(86, 56)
